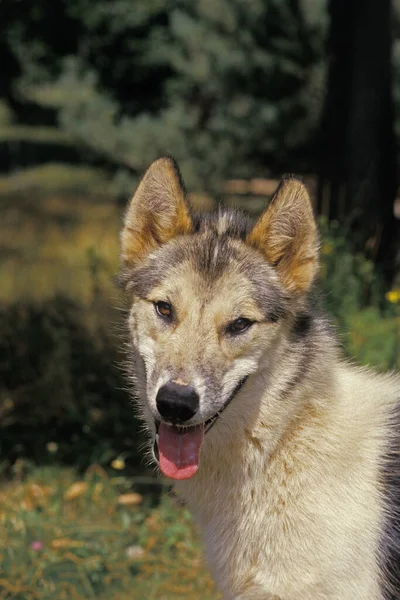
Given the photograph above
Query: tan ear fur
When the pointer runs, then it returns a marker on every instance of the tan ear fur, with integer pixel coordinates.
(286, 233)
(157, 212)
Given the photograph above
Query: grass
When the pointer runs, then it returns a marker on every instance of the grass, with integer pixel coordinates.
(56, 241)
(96, 536)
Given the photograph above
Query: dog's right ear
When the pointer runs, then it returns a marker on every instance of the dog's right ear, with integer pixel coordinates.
(156, 214)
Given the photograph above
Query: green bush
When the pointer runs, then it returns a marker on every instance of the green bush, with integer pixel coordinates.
(354, 296)
(61, 390)
(374, 339)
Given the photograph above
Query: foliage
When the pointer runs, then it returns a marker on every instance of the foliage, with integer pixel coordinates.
(94, 537)
(60, 384)
(374, 339)
(231, 89)
(349, 279)
(369, 325)
(129, 85)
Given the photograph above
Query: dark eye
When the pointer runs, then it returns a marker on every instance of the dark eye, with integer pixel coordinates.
(239, 325)
(164, 309)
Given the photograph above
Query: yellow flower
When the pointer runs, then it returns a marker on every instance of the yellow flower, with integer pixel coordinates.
(393, 296)
(118, 464)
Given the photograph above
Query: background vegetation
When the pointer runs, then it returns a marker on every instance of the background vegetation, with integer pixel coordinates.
(90, 93)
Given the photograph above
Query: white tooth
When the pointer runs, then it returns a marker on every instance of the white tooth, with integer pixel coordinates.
(157, 437)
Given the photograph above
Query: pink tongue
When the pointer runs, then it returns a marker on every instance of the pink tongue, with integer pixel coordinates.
(179, 450)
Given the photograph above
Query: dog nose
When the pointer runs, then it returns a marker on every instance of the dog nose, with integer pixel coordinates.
(177, 403)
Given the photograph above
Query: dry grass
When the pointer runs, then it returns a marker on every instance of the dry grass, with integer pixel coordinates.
(57, 242)
(65, 536)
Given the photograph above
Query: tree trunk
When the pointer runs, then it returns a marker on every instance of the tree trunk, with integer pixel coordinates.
(358, 151)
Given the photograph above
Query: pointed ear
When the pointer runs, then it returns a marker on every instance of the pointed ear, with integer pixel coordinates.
(157, 212)
(286, 233)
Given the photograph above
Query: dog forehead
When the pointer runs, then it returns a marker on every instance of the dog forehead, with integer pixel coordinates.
(224, 222)
(203, 257)
(205, 267)
(231, 286)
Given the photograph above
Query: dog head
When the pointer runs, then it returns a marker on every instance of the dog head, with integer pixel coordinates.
(210, 297)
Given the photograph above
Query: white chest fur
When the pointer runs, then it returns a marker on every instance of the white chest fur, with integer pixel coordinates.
(301, 523)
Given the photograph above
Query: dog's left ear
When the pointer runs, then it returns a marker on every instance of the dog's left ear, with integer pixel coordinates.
(286, 233)
(157, 212)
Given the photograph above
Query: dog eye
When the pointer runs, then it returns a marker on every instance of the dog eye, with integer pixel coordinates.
(239, 325)
(164, 309)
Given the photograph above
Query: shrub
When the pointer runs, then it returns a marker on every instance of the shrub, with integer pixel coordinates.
(354, 297)
(60, 387)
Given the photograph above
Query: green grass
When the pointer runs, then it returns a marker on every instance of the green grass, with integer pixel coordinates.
(60, 541)
(59, 228)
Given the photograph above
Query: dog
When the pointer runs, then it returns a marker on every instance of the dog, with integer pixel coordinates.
(286, 454)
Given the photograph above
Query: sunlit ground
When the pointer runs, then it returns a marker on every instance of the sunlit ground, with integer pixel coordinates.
(92, 536)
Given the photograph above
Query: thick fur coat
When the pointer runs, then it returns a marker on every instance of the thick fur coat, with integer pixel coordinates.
(289, 453)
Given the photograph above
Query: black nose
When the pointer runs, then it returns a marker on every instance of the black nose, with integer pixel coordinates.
(177, 403)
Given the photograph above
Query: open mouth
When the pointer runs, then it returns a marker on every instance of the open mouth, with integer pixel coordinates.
(177, 448)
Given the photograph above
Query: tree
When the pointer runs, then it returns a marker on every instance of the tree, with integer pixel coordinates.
(229, 88)
(358, 145)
